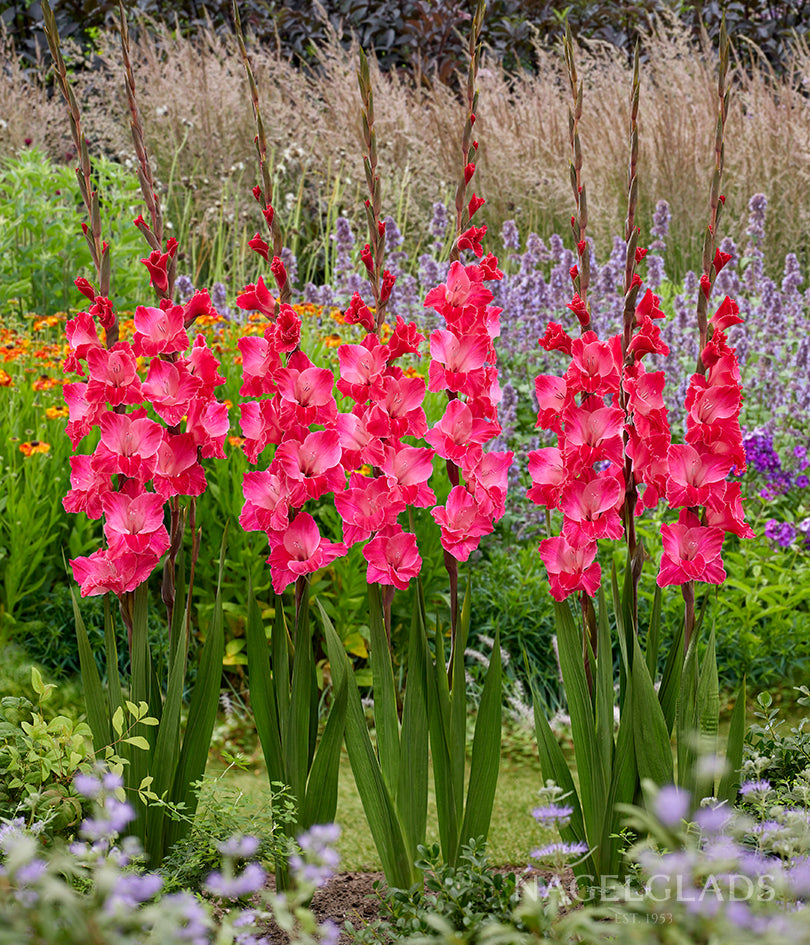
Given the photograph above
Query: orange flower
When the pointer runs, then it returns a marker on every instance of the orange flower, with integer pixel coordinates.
(56, 413)
(411, 371)
(333, 341)
(228, 403)
(35, 446)
(236, 440)
(5, 379)
(44, 382)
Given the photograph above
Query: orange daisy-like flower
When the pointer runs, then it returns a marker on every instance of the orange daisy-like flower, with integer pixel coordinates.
(45, 383)
(35, 446)
(236, 440)
(56, 413)
(411, 371)
(336, 315)
(5, 379)
(47, 322)
(228, 403)
(333, 341)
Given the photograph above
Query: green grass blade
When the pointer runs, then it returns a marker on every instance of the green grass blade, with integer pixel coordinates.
(593, 789)
(320, 802)
(486, 752)
(383, 822)
(412, 789)
(708, 708)
(98, 717)
(555, 768)
(296, 746)
(654, 634)
(457, 739)
(165, 760)
(280, 647)
(623, 785)
(653, 750)
(386, 720)
(439, 709)
(730, 782)
(604, 689)
(261, 686)
(114, 693)
(670, 687)
(202, 711)
(687, 719)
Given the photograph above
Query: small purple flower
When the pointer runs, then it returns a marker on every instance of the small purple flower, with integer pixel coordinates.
(87, 785)
(131, 890)
(672, 805)
(240, 847)
(250, 880)
(553, 815)
(510, 237)
(713, 819)
(554, 850)
(755, 787)
(782, 533)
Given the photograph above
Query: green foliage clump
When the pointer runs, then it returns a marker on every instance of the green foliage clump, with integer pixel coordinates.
(51, 639)
(774, 751)
(510, 594)
(461, 898)
(225, 811)
(39, 759)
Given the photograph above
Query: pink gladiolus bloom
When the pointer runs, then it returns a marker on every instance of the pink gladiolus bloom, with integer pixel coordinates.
(82, 335)
(267, 502)
(312, 466)
(113, 375)
(462, 523)
(696, 477)
(594, 365)
(261, 425)
(548, 473)
(729, 513)
(408, 469)
(177, 471)
(458, 436)
(727, 314)
(454, 359)
(570, 568)
(260, 365)
(392, 559)
(645, 390)
(556, 339)
(257, 298)
(129, 445)
(358, 444)
(647, 340)
(592, 509)
(170, 389)
(287, 330)
(82, 414)
(362, 371)
(487, 480)
(203, 364)
(306, 395)
(87, 487)
(159, 331)
(102, 572)
(691, 552)
(552, 398)
(299, 549)
(594, 435)
(648, 307)
(199, 304)
(459, 291)
(398, 412)
(135, 524)
(405, 340)
(208, 424)
(365, 507)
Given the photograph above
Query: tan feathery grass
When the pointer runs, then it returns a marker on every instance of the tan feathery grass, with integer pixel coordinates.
(199, 128)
